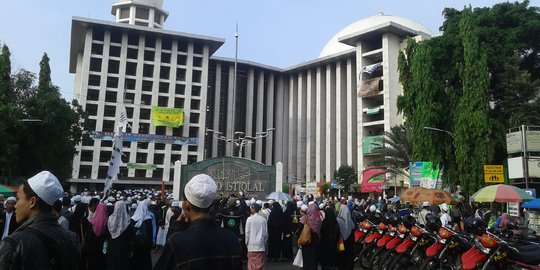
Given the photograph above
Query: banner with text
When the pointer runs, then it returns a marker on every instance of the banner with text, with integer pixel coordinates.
(167, 117)
(136, 137)
(424, 174)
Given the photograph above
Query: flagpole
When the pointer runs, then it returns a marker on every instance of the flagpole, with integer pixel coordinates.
(233, 109)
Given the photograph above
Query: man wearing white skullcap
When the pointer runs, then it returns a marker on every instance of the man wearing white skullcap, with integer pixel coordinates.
(39, 242)
(204, 245)
(7, 218)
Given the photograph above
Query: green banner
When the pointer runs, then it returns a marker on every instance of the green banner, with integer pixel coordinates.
(167, 117)
(137, 166)
(371, 143)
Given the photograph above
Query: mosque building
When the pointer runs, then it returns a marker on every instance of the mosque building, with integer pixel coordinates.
(312, 117)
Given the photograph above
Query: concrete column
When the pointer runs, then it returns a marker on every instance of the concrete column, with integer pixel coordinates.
(320, 124)
(330, 121)
(250, 99)
(341, 117)
(187, 102)
(359, 108)
(293, 128)
(202, 107)
(279, 177)
(270, 121)
(281, 127)
(217, 103)
(301, 132)
(352, 151)
(259, 124)
(392, 89)
(176, 179)
(310, 127)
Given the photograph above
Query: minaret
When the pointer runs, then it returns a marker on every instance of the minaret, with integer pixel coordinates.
(148, 13)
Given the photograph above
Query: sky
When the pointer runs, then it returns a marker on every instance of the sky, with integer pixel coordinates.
(279, 33)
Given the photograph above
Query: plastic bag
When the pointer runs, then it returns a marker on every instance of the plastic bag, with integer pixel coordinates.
(298, 260)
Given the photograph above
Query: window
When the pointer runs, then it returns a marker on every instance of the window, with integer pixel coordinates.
(109, 111)
(197, 76)
(141, 23)
(159, 146)
(193, 132)
(140, 173)
(192, 148)
(144, 114)
(94, 80)
(131, 69)
(129, 111)
(142, 13)
(110, 96)
(192, 159)
(97, 48)
(181, 60)
(95, 64)
(129, 84)
(130, 98)
(164, 72)
(158, 158)
(177, 132)
(116, 37)
(196, 91)
(124, 13)
(108, 125)
(150, 42)
(92, 95)
(198, 48)
(161, 130)
(114, 51)
(113, 66)
(146, 99)
(102, 172)
(85, 171)
(148, 70)
(132, 53)
(147, 86)
(175, 158)
(180, 89)
(104, 156)
(141, 157)
(144, 128)
(91, 109)
(195, 104)
(112, 82)
(176, 147)
(106, 144)
(163, 87)
(182, 46)
(133, 39)
(142, 145)
(165, 57)
(149, 55)
(98, 34)
(157, 19)
(194, 118)
(158, 173)
(166, 42)
(197, 61)
(181, 74)
(163, 101)
(179, 103)
(87, 155)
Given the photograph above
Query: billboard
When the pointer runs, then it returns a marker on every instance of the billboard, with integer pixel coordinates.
(373, 180)
(424, 174)
(514, 141)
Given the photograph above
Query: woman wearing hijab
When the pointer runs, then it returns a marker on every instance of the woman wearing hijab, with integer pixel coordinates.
(329, 238)
(275, 230)
(346, 227)
(287, 248)
(121, 242)
(143, 237)
(310, 253)
(95, 239)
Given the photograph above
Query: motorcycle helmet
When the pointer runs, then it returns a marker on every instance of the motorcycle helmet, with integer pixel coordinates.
(394, 220)
(511, 225)
(475, 226)
(408, 221)
(433, 222)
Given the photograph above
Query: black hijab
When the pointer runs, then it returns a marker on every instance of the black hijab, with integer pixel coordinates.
(276, 216)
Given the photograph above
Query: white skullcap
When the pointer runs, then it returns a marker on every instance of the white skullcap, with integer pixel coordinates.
(304, 208)
(77, 198)
(111, 199)
(46, 186)
(299, 204)
(444, 207)
(425, 204)
(321, 206)
(175, 204)
(310, 203)
(372, 208)
(259, 202)
(13, 199)
(252, 201)
(201, 190)
(271, 201)
(133, 206)
(248, 202)
(109, 204)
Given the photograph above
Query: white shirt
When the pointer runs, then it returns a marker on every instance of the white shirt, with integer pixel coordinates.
(446, 220)
(256, 233)
(6, 225)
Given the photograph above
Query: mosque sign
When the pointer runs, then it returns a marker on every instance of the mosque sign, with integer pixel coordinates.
(234, 175)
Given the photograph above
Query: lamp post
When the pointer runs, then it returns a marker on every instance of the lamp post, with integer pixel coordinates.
(242, 140)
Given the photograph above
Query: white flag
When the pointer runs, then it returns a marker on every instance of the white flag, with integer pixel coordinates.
(114, 163)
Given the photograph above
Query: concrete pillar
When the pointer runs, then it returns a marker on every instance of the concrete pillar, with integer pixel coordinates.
(217, 103)
(250, 99)
(330, 121)
(310, 126)
(320, 124)
(176, 179)
(281, 127)
(279, 176)
(259, 124)
(293, 128)
(230, 112)
(270, 122)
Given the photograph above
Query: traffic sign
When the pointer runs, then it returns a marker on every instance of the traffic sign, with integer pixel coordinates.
(493, 173)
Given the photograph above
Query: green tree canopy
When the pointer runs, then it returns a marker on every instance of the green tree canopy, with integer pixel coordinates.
(345, 176)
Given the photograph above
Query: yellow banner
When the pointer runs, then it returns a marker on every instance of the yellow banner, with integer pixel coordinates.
(167, 117)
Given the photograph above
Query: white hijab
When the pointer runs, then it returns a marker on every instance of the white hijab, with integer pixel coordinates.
(141, 213)
(119, 220)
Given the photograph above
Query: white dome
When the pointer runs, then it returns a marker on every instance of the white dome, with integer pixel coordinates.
(334, 46)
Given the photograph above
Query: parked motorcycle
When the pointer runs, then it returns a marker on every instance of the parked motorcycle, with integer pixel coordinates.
(371, 240)
(411, 252)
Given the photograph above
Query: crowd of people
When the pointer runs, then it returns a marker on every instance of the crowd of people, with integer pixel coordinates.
(44, 227)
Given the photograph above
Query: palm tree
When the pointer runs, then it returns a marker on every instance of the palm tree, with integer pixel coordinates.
(394, 157)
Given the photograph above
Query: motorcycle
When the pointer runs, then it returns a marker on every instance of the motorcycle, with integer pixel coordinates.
(385, 255)
(492, 252)
(411, 252)
(371, 240)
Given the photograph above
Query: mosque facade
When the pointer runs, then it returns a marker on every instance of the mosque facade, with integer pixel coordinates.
(312, 117)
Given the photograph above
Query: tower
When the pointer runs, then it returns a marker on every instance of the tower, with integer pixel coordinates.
(149, 13)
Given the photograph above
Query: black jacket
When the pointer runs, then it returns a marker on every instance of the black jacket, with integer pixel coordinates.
(40, 243)
(12, 223)
(204, 245)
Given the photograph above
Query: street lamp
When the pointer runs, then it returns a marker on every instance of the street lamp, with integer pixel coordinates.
(243, 141)
(442, 130)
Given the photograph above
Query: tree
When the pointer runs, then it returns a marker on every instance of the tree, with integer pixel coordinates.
(60, 127)
(396, 154)
(345, 176)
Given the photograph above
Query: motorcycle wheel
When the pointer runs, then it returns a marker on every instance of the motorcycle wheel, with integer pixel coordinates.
(376, 258)
(365, 255)
(401, 261)
(387, 257)
(430, 263)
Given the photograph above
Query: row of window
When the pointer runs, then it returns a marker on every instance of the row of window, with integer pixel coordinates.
(133, 39)
(148, 70)
(149, 55)
(162, 101)
(146, 85)
(144, 128)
